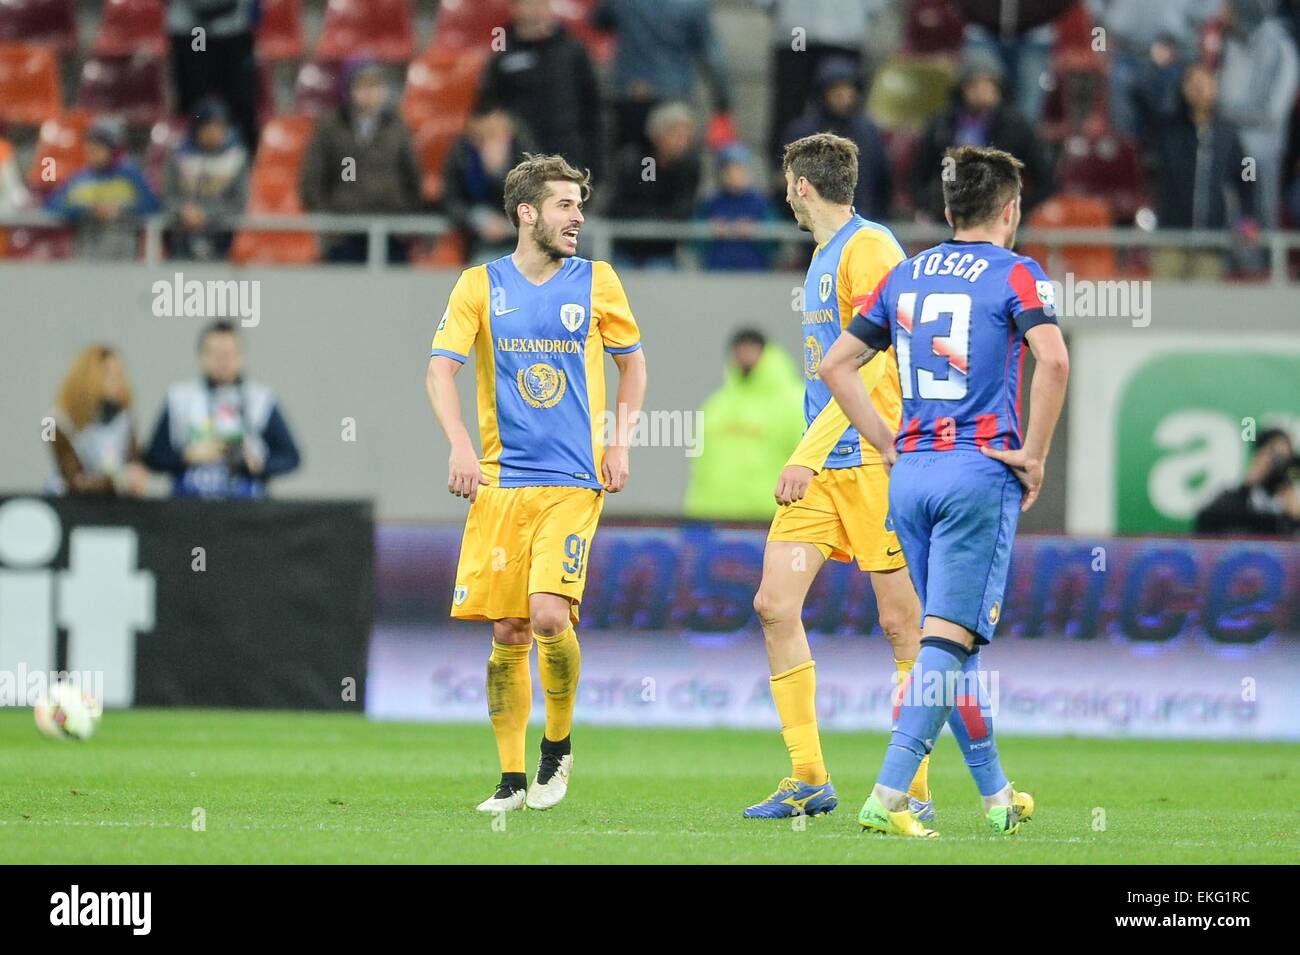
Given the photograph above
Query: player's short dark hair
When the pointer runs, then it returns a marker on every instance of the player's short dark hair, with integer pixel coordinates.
(748, 336)
(827, 161)
(220, 327)
(977, 182)
(529, 182)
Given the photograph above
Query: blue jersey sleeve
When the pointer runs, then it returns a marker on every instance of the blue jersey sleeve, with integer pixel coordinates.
(871, 322)
(1031, 296)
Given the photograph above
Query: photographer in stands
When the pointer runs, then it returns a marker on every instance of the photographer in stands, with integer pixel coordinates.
(1267, 502)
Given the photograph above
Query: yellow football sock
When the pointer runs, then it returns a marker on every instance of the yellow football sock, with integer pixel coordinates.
(795, 693)
(920, 788)
(510, 699)
(559, 659)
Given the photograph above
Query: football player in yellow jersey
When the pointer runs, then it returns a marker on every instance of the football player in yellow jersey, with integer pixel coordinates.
(540, 322)
(834, 492)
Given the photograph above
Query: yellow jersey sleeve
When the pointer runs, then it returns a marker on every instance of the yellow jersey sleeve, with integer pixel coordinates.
(868, 257)
(464, 315)
(613, 314)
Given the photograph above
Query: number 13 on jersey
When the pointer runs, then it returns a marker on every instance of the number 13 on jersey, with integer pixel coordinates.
(934, 345)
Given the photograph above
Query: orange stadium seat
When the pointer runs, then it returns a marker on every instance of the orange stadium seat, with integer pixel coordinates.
(432, 141)
(468, 24)
(48, 22)
(131, 28)
(280, 34)
(274, 189)
(41, 245)
(1072, 211)
(374, 28)
(316, 89)
(60, 147)
(446, 252)
(1105, 166)
(128, 86)
(29, 84)
(442, 82)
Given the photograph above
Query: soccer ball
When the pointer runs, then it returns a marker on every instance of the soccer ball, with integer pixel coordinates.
(67, 712)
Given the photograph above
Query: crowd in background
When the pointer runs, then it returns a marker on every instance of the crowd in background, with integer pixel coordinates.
(1170, 114)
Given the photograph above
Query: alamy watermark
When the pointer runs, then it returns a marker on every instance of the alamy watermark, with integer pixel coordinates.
(215, 298)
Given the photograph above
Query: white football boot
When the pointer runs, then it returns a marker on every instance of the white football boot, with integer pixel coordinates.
(551, 782)
(504, 800)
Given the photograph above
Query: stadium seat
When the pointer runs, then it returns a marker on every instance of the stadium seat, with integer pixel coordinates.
(379, 29)
(274, 189)
(441, 83)
(280, 34)
(29, 84)
(62, 139)
(130, 87)
(40, 245)
(432, 141)
(906, 93)
(1072, 211)
(468, 24)
(933, 28)
(48, 22)
(445, 252)
(131, 28)
(316, 89)
(1073, 47)
(1105, 166)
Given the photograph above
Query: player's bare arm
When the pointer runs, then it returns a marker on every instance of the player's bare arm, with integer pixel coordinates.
(631, 395)
(463, 473)
(839, 369)
(1046, 398)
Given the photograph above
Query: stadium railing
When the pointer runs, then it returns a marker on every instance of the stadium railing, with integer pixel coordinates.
(601, 233)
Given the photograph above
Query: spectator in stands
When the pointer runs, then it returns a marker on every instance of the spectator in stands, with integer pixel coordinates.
(218, 60)
(474, 181)
(977, 117)
(660, 187)
(660, 45)
(207, 185)
(1267, 502)
(837, 108)
(1258, 79)
(1139, 36)
(750, 427)
(95, 451)
(221, 436)
(1199, 158)
(545, 77)
(806, 33)
(732, 212)
(106, 199)
(360, 162)
(1026, 61)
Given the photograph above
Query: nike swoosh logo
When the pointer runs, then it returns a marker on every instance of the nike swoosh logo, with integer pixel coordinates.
(893, 553)
(566, 580)
(505, 311)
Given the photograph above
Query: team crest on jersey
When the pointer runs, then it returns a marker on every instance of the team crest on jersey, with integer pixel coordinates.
(572, 316)
(824, 286)
(1047, 295)
(459, 594)
(541, 385)
(994, 612)
(812, 356)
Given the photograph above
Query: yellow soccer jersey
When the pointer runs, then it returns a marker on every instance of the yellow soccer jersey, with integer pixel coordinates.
(844, 273)
(540, 364)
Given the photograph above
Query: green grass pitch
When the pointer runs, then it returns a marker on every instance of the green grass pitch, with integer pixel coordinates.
(295, 787)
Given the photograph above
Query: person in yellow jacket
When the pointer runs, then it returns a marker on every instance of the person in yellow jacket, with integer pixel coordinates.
(749, 426)
(834, 491)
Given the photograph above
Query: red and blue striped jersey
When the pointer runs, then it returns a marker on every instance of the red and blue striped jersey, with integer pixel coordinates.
(957, 315)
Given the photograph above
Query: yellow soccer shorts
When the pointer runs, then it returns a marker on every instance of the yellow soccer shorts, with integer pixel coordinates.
(520, 541)
(844, 515)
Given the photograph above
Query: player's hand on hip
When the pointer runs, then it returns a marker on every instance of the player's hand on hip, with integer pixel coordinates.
(463, 474)
(615, 469)
(793, 483)
(889, 457)
(1028, 471)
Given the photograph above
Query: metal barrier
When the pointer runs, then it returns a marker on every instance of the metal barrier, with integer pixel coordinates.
(600, 234)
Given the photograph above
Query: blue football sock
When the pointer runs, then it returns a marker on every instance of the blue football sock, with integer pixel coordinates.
(971, 723)
(926, 701)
